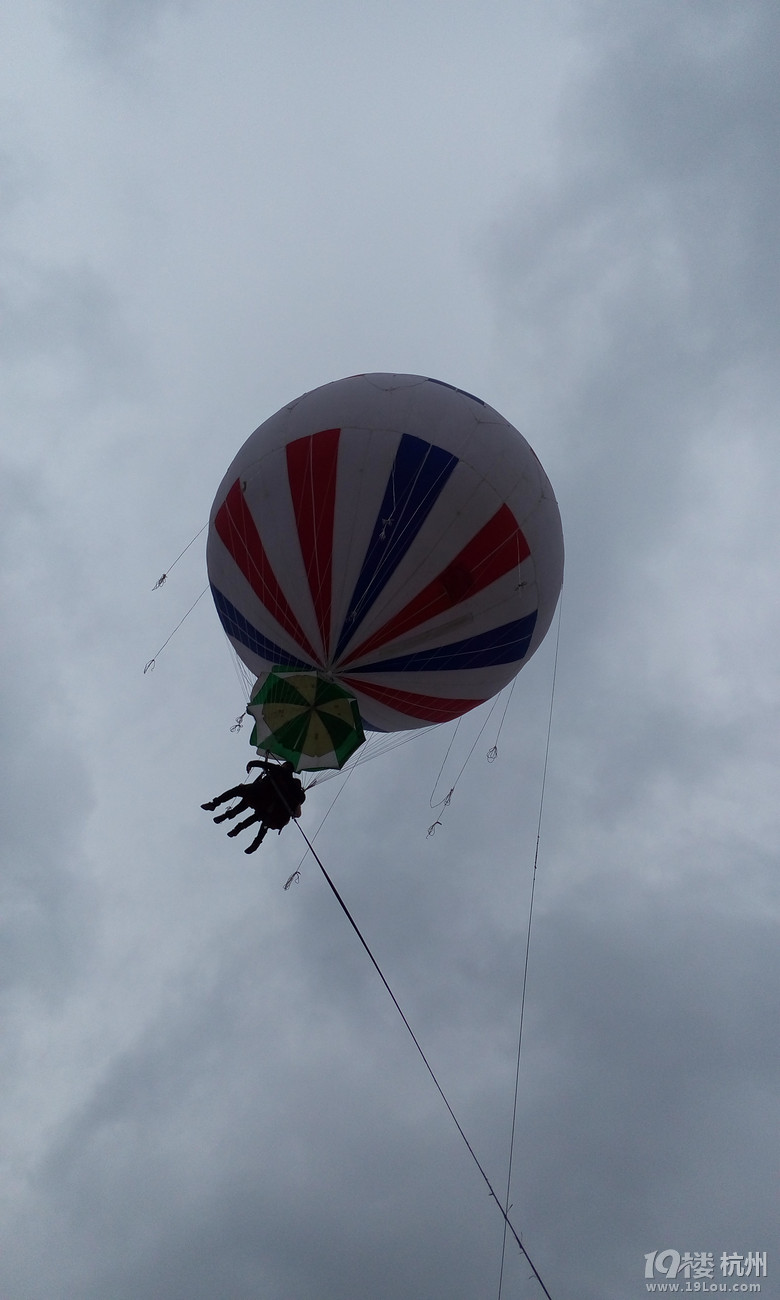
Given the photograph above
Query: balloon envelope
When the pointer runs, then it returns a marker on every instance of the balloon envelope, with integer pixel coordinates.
(395, 534)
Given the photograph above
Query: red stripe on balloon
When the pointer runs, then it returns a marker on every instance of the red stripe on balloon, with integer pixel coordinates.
(236, 528)
(311, 470)
(423, 708)
(498, 547)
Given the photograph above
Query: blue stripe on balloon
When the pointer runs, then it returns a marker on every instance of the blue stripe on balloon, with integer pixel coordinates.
(416, 481)
(241, 630)
(501, 645)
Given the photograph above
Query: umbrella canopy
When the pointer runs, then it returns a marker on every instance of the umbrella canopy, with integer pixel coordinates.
(303, 717)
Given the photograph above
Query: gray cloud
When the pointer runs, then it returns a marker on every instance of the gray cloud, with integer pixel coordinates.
(115, 30)
(46, 792)
(209, 1091)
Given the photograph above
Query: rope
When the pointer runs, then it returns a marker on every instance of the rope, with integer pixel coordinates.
(377, 744)
(528, 949)
(296, 875)
(441, 769)
(507, 1224)
(492, 753)
(151, 662)
(164, 576)
(245, 680)
(445, 803)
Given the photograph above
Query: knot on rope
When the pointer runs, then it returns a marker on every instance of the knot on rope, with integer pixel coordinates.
(294, 878)
(162, 578)
(492, 754)
(239, 722)
(445, 803)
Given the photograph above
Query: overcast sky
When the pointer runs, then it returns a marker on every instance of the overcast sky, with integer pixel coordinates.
(569, 209)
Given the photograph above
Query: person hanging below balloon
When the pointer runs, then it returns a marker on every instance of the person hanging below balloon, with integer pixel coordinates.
(274, 797)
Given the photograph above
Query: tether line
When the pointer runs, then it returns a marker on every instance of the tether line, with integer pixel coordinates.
(151, 662)
(163, 576)
(528, 949)
(426, 1062)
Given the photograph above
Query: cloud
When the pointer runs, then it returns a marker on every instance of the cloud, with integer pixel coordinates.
(115, 30)
(46, 791)
(210, 1091)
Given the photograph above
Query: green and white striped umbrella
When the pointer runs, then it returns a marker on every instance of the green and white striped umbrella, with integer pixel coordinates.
(303, 717)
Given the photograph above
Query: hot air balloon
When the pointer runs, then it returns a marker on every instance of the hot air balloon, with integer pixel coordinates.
(385, 552)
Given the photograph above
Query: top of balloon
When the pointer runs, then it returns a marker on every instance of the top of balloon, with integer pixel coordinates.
(394, 534)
